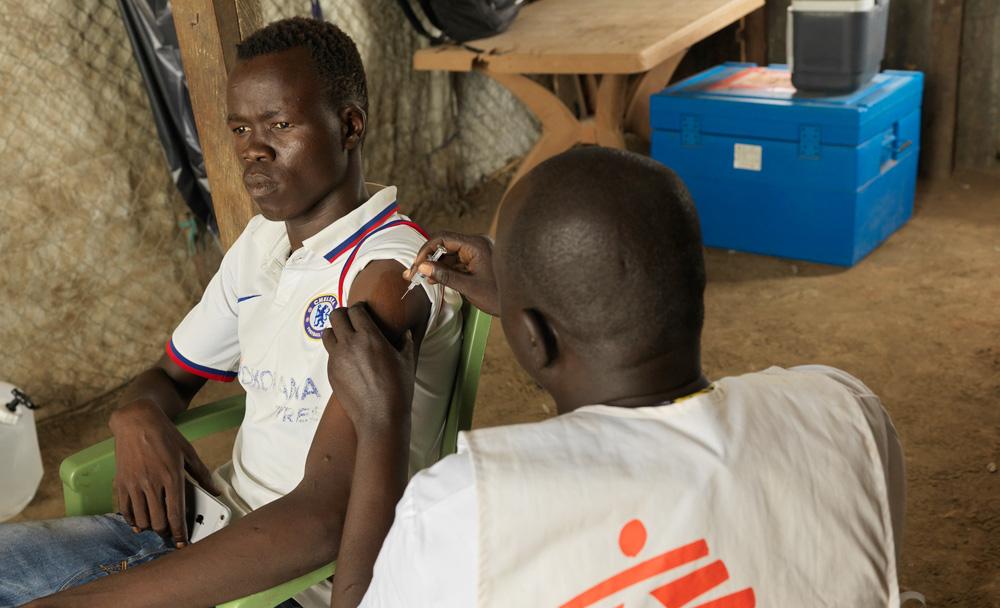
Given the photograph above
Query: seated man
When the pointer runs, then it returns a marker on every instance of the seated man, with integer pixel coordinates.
(654, 487)
(297, 109)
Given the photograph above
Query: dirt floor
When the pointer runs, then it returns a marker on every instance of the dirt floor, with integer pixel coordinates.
(918, 321)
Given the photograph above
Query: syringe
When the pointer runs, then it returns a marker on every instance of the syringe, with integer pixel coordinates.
(420, 278)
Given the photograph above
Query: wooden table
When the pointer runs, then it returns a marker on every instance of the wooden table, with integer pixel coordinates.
(625, 50)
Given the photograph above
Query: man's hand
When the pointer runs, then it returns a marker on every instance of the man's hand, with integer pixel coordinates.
(467, 268)
(151, 456)
(373, 381)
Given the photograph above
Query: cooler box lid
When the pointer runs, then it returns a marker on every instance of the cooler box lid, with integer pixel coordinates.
(744, 100)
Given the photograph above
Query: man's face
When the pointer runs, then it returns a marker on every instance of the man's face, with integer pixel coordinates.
(287, 136)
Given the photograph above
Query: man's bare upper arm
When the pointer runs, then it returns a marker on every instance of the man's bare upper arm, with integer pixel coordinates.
(380, 285)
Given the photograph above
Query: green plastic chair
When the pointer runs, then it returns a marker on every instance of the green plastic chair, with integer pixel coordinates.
(88, 474)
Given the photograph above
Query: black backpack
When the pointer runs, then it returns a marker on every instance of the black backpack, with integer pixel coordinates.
(463, 20)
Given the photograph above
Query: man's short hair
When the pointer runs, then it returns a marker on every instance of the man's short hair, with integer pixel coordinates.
(608, 244)
(333, 52)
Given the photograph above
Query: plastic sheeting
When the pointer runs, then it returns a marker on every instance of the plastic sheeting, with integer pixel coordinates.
(150, 28)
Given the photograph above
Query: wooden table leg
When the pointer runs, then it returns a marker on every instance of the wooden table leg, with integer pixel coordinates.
(616, 108)
(637, 112)
(560, 128)
(609, 111)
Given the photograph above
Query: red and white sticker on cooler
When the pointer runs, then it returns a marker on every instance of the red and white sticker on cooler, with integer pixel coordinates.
(763, 80)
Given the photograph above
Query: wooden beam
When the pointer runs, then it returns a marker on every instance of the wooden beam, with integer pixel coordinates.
(207, 33)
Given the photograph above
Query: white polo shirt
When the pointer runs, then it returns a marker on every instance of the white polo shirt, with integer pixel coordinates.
(779, 488)
(260, 321)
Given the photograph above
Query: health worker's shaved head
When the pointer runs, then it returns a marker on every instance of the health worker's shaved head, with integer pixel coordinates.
(606, 245)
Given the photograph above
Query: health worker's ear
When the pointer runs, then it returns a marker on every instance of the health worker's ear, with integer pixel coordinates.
(353, 124)
(543, 341)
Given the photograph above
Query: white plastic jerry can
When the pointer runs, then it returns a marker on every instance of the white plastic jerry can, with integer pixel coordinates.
(20, 458)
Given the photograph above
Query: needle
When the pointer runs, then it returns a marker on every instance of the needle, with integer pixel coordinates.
(420, 278)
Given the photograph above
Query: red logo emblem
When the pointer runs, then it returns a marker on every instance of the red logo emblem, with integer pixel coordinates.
(675, 594)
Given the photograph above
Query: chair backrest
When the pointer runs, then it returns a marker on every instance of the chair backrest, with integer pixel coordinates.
(475, 329)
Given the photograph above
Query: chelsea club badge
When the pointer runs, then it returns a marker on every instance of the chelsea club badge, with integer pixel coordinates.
(317, 315)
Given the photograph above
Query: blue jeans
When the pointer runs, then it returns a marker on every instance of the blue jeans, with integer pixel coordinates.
(40, 558)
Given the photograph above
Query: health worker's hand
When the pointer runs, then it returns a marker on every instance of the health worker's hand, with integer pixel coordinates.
(150, 458)
(467, 268)
(371, 378)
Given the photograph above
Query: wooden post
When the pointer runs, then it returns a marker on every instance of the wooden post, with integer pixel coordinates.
(753, 36)
(776, 27)
(941, 98)
(977, 134)
(207, 33)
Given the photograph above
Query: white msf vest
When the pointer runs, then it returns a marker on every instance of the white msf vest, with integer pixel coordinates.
(770, 490)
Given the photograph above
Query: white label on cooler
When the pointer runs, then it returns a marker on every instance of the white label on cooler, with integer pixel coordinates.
(747, 156)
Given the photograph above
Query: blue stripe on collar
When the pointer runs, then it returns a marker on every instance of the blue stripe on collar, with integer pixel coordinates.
(352, 240)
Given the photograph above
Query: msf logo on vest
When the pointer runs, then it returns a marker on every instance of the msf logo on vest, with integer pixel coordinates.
(680, 592)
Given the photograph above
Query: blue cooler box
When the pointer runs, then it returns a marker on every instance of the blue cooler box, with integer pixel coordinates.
(772, 171)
